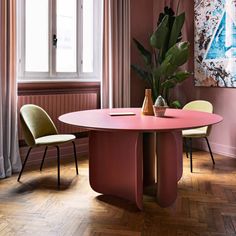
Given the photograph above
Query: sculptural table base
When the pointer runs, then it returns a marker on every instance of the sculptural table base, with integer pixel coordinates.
(169, 166)
(116, 165)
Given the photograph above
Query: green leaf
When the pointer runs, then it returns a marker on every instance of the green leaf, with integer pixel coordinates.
(179, 53)
(167, 68)
(180, 76)
(157, 72)
(176, 104)
(147, 56)
(143, 74)
(177, 78)
(176, 29)
(159, 37)
(168, 84)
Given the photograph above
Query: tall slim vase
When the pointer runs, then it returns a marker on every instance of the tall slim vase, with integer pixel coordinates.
(147, 108)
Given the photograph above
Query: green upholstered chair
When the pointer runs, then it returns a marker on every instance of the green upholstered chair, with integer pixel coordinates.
(203, 132)
(39, 130)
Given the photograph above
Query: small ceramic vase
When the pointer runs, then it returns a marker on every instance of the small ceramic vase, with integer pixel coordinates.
(147, 108)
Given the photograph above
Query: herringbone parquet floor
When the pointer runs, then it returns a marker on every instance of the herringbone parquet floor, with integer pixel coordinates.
(206, 204)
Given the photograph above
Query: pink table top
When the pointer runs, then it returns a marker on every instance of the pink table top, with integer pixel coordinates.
(174, 119)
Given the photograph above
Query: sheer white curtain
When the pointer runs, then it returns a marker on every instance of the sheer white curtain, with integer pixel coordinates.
(9, 150)
(116, 54)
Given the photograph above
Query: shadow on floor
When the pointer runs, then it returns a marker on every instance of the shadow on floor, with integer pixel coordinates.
(118, 202)
(45, 183)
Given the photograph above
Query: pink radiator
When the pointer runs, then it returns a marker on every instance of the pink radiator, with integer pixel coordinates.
(58, 104)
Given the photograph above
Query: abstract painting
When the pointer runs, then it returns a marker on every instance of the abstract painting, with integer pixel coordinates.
(215, 43)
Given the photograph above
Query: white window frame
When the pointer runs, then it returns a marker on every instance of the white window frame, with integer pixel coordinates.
(52, 75)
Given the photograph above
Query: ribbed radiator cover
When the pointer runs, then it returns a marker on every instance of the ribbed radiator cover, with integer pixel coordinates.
(58, 104)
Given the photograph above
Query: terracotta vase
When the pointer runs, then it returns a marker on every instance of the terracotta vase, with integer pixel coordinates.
(147, 108)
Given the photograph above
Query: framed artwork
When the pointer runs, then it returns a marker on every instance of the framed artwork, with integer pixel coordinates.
(215, 43)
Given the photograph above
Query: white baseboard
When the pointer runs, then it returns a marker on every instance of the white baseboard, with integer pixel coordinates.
(217, 148)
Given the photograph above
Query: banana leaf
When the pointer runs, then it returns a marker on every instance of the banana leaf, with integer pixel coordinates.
(168, 84)
(166, 68)
(179, 53)
(180, 76)
(176, 29)
(177, 78)
(147, 56)
(160, 36)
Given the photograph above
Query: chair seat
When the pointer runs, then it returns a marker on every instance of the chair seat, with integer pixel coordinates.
(194, 133)
(54, 139)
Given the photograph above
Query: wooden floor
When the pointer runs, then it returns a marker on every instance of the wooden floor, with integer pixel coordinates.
(206, 204)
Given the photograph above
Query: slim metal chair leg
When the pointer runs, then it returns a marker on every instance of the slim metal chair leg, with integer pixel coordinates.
(44, 155)
(58, 166)
(186, 146)
(22, 169)
(209, 147)
(191, 154)
(76, 164)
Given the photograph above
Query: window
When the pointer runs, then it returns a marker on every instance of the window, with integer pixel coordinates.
(59, 39)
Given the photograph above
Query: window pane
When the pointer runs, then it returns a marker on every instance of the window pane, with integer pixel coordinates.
(88, 36)
(66, 34)
(36, 30)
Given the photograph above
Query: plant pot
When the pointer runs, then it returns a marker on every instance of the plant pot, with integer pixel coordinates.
(159, 111)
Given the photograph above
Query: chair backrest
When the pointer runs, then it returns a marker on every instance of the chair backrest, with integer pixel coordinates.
(35, 123)
(200, 105)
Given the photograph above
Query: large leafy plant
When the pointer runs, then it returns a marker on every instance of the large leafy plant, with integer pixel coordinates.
(162, 65)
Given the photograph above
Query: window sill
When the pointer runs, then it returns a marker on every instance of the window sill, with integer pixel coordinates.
(57, 80)
(56, 86)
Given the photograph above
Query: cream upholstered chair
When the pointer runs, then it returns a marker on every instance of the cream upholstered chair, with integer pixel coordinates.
(203, 132)
(39, 130)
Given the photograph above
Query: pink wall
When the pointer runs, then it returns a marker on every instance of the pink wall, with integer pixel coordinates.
(141, 29)
(223, 135)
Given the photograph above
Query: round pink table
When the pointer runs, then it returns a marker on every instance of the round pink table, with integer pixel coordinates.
(116, 155)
